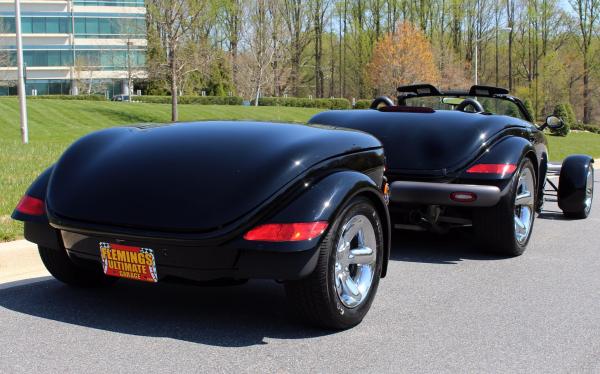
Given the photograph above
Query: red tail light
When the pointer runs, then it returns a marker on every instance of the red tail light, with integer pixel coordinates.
(31, 206)
(286, 232)
(492, 169)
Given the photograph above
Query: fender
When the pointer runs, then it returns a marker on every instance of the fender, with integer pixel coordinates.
(509, 150)
(572, 182)
(323, 201)
(36, 228)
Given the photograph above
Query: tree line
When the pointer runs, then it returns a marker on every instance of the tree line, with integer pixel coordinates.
(544, 51)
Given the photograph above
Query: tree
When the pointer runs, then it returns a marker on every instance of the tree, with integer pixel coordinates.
(564, 111)
(402, 58)
(587, 19)
(298, 24)
(176, 23)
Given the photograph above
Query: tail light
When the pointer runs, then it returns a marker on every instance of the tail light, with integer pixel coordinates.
(463, 197)
(31, 206)
(286, 232)
(502, 169)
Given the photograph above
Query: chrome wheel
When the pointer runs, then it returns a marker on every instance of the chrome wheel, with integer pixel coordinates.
(589, 191)
(355, 259)
(524, 205)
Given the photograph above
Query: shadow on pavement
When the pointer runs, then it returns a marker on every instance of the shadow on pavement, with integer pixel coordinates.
(451, 248)
(221, 316)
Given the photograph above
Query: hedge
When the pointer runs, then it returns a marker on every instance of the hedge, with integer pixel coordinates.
(202, 100)
(362, 104)
(70, 97)
(304, 102)
(583, 127)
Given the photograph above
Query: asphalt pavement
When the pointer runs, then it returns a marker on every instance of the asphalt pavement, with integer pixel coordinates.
(444, 307)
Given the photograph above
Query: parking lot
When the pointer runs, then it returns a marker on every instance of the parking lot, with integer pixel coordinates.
(445, 306)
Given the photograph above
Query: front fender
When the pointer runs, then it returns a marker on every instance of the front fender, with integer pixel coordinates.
(323, 201)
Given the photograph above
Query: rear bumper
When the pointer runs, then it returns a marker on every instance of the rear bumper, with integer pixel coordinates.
(191, 262)
(428, 193)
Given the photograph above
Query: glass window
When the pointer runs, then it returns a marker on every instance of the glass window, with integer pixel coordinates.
(39, 25)
(7, 25)
(66, 58)
(79, 25)
(104, 25)
(91, 26)
(64, 25)
(26, 25)
(106, 59)
(52, 25)
(54, 58)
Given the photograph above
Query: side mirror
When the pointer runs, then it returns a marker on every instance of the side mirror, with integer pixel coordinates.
(552, 122)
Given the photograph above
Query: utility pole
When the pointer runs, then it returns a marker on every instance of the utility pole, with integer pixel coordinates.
(21, 75)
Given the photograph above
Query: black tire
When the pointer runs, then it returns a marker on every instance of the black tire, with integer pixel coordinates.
(314, 299)
(495, 226)
(576, 207)
(62, 268)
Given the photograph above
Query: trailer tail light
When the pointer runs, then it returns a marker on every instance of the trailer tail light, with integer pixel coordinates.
(502, 169)
(463, 197)
(31, 206)
(286, 232)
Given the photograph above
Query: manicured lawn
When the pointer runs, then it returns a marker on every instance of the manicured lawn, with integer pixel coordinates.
(54, 124)
(576, 142)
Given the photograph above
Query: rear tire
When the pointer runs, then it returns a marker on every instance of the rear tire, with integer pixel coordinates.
(62, 268)
(580, 202)
(506, 228)
(340, 291)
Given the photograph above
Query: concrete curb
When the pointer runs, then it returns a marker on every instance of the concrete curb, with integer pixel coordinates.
(20, 260)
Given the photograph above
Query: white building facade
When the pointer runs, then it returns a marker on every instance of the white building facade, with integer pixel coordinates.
(74, 46)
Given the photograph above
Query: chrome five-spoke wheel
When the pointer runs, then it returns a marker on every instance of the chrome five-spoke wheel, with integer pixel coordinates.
(355, 261)
(524, 205)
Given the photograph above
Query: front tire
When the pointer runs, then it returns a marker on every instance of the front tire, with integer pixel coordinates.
(63, 269)
(339, 292)
(505, 229)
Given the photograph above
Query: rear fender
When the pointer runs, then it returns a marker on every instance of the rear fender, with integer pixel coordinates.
(324, 200)
(36, 228)
(507, 151)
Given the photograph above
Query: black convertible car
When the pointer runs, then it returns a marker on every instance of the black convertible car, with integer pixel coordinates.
(220, 201)
(469, 158)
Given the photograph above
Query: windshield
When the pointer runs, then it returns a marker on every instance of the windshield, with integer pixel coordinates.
(490, 104)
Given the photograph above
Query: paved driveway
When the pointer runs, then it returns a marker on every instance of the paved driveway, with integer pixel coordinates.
(443, 307)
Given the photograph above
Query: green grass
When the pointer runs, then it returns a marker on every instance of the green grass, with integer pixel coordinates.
(576, 142)
(54, 124)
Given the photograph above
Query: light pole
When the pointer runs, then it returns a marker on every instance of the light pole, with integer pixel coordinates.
(477, 52)
(20, 73)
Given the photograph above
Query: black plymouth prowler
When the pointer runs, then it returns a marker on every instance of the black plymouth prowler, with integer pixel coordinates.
(469, 158)
(224, 201)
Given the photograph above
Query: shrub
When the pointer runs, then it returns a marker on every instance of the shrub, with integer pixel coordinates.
(583, 127)
(303, 102)
(563, 112)
(362, 104)
(200, 100)
(69, 97)
(529, 107)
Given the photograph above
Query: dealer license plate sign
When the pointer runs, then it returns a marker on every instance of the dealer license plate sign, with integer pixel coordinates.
(128, 262)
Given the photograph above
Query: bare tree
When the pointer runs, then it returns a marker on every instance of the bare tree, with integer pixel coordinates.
(298, 25)
(587, 18)
(174, 21)
(258, 39)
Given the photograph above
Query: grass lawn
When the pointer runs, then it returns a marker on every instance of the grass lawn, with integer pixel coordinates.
(54, 124)
(576, 142)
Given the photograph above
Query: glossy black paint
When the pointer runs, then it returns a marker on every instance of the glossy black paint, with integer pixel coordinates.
(442, 144)
(572, 183)
(196, 188)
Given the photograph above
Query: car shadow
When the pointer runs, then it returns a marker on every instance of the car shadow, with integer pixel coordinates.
(233, 316)
(427, 247)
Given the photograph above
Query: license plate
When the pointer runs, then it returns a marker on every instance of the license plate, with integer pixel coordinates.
(128, 262)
